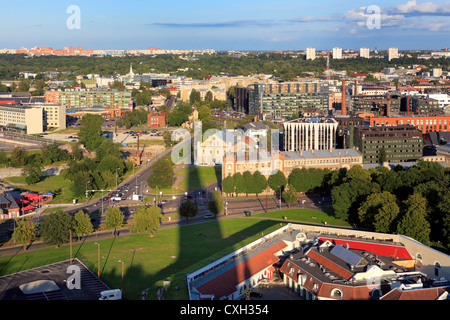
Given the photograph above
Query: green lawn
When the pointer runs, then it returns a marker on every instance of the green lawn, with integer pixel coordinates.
(55, 184)
(198, 177)
(305, 215)
(148, 261)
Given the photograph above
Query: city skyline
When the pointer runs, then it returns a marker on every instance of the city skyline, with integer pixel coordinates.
(232, 25)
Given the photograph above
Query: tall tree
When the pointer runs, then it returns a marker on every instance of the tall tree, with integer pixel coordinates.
(32, 173)
(56, 227)
(114, 219)
(146, 219)
(217, 204)
(25, 232)
(228, 184)
(161, 174)
(90, 133)
(289, 195)
(414, 222)
(188, 209)
(82, 224)
(277, 182)
(379, 212)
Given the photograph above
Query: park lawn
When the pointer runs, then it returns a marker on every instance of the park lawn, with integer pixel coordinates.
(304, 215)
(54, 184)
(148, 261)
(199, 177)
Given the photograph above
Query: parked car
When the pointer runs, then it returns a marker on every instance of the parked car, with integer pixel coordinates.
(208, 216)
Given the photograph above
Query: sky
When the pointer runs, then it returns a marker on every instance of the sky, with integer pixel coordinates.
(226, 25)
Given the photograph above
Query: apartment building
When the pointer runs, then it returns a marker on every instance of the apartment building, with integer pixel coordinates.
(283, 100)
(401, 143)
(310, 53)
(392, 53)
(81, 98)
(337, 53)
(364, 53)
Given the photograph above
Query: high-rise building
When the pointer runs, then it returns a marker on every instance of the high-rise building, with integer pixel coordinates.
(310, 53)
(337, 53)
(364, 52)
(392, 53)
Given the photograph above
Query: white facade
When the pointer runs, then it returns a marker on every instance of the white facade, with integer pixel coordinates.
(337, 53)
(364, 53)
(393, 53)
(303, 135)
(310, 53)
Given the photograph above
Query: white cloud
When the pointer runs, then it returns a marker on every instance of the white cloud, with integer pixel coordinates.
(411, 8)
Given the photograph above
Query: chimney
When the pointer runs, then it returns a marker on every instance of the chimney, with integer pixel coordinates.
(343, 103)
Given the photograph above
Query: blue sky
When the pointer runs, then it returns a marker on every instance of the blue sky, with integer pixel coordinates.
(228, 25)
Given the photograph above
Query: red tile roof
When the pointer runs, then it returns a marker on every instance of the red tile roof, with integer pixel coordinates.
(414, 294)
(225, 283)
(329, 264)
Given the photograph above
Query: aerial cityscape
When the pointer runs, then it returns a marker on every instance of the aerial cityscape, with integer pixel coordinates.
(155, 153)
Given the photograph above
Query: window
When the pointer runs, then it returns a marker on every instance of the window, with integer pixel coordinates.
(336, 293)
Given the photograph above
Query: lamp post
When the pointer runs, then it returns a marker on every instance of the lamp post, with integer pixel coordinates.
(122, 273)
(98, 259)
(86, 190)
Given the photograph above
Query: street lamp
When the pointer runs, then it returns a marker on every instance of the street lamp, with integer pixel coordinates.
(98, 259)
(122, 273)
(86, 190)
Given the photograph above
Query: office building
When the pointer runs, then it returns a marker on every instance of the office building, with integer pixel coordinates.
(364, 52)
(423, 123)
(22, 119)
(310, 53)
(287, 99)
(337, 53)
(401, 143)
(393, 53)
(156, 120)
(310, 134)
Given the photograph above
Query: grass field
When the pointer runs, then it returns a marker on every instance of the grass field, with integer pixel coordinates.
(148, 261)
(198, 177)
(305, 215)
(55, 184)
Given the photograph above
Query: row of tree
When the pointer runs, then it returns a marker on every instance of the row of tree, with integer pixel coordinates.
(57, 228)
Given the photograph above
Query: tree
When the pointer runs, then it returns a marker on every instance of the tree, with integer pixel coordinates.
(289, 195)
(18, 157)
(228, 184)
(188, 209)
(56, 227)
(277, 181)
(114, 219)
(82, 224)
(25, 231)
(52, 153)
(260, 182)
(414, 222)
(161, 175)
(194, 96)
(248, 182)
(209, 96)
(146, 219)
(379, 212)
(216, 205)
(238, 183)
(204, 113)
(32, 173)
(90, 133)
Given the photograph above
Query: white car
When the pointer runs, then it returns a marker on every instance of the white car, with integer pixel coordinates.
(208, 216)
